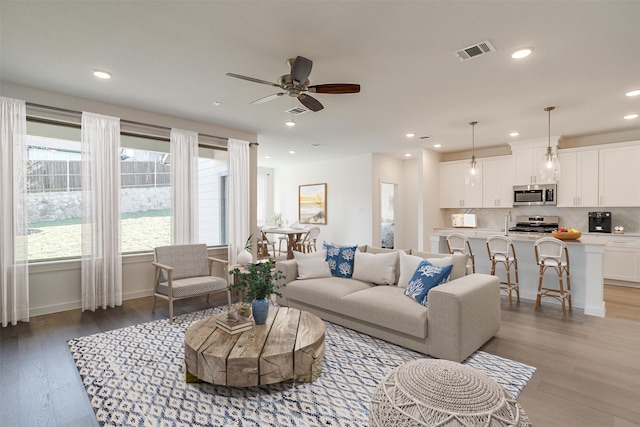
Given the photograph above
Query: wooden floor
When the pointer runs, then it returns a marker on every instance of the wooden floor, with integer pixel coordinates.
(588, 368)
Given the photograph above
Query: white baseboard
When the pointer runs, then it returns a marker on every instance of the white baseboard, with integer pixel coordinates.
(74, 305)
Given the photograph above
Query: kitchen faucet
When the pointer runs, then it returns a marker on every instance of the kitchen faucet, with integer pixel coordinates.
(507, 218)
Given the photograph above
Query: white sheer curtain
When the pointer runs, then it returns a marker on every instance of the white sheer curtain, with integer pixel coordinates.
(184, 186)
(101, 256)
(238, 182)
(14, 267)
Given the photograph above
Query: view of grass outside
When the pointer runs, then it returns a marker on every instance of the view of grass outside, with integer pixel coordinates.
(140, 231)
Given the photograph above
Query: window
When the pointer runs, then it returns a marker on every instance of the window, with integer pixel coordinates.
(54, 196)
(53, 199)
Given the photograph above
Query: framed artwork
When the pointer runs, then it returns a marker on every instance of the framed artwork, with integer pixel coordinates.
(312, 204)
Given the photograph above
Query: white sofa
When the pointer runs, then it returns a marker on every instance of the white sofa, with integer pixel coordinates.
(462, 314)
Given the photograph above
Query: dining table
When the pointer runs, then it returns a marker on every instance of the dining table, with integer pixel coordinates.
(294, 235)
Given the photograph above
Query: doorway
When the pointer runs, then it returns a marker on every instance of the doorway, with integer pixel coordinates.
(387, 214)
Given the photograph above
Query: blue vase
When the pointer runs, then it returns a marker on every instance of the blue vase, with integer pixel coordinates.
(260, 309)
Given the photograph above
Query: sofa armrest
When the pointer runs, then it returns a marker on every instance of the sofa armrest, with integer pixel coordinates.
(463, 315)
(289, 269)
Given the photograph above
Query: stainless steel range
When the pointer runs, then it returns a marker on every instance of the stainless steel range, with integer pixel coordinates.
(535, 224)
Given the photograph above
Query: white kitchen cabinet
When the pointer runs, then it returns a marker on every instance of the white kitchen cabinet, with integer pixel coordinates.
(497, 182)
(525, 165)
(454, 193)
(622, 261)
(578, 184)
(619, 175)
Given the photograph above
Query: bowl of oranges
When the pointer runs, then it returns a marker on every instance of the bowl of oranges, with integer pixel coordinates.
(564, 233)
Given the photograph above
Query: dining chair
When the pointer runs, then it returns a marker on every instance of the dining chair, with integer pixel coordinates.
(264, 245)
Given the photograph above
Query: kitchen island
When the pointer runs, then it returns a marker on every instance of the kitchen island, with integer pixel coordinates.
(585, 256)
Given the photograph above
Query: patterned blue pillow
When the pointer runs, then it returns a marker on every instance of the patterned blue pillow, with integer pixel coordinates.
(427, 276)
(340, 260)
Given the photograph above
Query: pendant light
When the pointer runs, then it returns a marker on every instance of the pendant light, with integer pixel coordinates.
(549, 167)
(472, 174)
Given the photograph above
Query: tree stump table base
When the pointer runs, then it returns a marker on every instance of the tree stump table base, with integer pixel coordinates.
(288, 347)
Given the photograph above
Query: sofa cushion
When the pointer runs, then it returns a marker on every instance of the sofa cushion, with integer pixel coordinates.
(340, 260)
(323, 293)
(388, 307)
(459, 262)
(379, 269)
(427, 276)
(312, 265)
(377, 250)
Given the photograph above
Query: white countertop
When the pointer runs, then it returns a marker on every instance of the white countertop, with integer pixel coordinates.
(586, 238)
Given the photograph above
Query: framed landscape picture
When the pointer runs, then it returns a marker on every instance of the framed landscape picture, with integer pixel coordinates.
(312, 204)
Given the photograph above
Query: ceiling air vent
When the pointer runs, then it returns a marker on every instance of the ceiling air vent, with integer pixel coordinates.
(424, 137)
(475, 50)
(297, 110)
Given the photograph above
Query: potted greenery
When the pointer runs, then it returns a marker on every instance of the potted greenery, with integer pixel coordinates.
(257, 283)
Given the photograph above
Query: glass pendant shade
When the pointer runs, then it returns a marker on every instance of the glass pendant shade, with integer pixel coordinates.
(472, 176)
(549, 166)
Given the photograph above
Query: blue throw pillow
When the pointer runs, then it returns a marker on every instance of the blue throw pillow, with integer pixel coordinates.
(426, 276)
(340, 260)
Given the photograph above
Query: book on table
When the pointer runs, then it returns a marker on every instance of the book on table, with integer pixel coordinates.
(233, 327)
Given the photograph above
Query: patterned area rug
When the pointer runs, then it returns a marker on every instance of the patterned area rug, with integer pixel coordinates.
(134, 376)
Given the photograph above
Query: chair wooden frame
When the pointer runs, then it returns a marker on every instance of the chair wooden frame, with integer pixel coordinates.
(217, 268)
(558, 260)
(502, 251)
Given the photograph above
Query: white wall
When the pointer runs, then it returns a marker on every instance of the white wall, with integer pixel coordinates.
(349, 196)
(390, 170)
(430, 196)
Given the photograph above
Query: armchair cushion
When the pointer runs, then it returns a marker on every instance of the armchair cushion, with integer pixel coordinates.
(186, 260)
(193, 286)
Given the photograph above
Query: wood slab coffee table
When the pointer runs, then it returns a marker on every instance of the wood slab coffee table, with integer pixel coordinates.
(289, 346)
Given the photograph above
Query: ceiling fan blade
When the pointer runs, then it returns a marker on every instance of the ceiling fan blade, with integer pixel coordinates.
(251, 79)
(267, 98)
(335, 88)
(310, 102)
(301, 69)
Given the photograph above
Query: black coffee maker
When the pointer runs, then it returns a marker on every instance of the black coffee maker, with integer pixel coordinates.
(599, 222)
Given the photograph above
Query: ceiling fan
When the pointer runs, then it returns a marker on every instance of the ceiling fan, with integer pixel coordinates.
(297, 85)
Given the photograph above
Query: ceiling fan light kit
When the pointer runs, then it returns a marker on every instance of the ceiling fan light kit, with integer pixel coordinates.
(296, 84)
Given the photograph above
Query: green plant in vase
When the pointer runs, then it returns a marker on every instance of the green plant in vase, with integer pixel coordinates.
(257, 283)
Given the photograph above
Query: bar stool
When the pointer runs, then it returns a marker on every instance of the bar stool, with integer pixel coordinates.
(553, 253)
(501, 250)
(459, 244)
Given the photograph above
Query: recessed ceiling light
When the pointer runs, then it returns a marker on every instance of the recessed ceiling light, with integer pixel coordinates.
(410, 135)
(101, 74)
(267, 157)
(216, 103)
(292, 152)
(522, 53)
(407, 154)
(633, 93)
(290, 123)
(631, 116)
(514, 134)
(437, 145)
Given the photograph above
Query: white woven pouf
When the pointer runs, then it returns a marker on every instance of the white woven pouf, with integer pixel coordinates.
(432, 392)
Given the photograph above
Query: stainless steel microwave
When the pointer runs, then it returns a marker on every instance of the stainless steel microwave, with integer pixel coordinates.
(535, 195)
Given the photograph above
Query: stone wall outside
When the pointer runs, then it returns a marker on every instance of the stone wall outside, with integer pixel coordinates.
(63, 205)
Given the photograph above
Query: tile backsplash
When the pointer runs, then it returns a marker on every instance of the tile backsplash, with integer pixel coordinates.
(576, 218)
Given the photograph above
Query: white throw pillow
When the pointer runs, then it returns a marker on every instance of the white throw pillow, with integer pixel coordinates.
(409, 264)
(379, 269)
(312, 265)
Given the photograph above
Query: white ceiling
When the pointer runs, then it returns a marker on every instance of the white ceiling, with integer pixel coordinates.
(171, 57)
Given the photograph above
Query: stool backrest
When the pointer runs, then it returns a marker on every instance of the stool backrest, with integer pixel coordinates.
(549, 249)
(458, 244)
(500, 247)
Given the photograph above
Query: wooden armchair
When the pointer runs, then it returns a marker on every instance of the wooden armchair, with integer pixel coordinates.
(184, 271)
